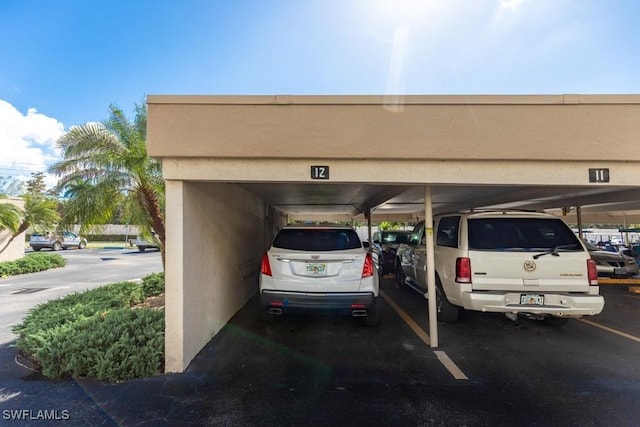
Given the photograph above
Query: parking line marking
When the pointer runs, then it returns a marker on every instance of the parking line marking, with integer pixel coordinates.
(441, 355)
(408, 320)
(613, 331)
(451, 367)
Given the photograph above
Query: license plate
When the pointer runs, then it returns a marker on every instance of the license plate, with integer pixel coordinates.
(621, 271)
(318, 268)
(531, 299)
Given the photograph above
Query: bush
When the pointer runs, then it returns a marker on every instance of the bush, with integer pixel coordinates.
(153, 284)
(96, 333)
(31, 263)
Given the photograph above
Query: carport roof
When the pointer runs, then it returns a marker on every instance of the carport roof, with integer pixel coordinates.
(524, 152)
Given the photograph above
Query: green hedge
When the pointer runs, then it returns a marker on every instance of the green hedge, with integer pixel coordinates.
(31, 263)
(96, 333)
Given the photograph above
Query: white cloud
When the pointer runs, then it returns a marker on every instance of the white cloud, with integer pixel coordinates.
(27, 142)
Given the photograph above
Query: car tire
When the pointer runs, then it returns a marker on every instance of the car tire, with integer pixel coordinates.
(37, 249)
(141, 248)
(555, 322)
(400, 277)
(82, 245)
(56, 246)
(447, 312)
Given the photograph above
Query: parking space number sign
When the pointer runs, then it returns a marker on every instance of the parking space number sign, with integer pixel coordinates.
(319, 172)
(599, 175)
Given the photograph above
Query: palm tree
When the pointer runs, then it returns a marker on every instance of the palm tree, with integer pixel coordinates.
(9, 217)
(38, 211)
(105, 169)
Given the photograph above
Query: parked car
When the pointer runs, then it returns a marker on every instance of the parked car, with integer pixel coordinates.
(49, 240)
(631, 253)
(319, 268)
(518, 263)
(613, 264)
(144, 244)
(385, 243)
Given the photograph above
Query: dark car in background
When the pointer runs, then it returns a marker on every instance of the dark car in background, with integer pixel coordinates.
(385, 244)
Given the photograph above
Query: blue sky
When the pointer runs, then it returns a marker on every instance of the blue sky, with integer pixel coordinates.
(63, 62)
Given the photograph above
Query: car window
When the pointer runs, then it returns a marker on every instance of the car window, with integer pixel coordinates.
(314, 239)
(448, 232)
(395, 237)
(521, 233)
(416, 234)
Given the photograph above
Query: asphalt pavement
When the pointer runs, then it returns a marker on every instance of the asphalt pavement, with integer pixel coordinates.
(325, 370)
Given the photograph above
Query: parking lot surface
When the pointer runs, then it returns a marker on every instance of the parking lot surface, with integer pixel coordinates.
(319, 370)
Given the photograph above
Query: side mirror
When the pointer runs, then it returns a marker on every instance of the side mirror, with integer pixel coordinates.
(367, 245)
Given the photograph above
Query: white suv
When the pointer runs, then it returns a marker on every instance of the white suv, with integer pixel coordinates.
(526, 263)
(321, 268)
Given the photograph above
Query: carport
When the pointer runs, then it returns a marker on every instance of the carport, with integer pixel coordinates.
(237, 168)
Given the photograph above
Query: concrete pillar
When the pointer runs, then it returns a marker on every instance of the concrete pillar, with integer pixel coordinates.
(431, 271)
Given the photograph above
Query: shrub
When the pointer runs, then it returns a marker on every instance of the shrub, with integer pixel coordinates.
(31, 263)
(153, 284)
(96, 333)
(118, 345)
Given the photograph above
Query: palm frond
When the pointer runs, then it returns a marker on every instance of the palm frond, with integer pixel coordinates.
(9, 217)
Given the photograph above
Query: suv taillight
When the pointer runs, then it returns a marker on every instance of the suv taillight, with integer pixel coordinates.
(592, 272)
(266, 267)
(368, 270)
(463, 270)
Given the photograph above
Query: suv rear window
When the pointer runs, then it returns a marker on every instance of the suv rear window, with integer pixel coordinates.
(521, 234)
(315, 239)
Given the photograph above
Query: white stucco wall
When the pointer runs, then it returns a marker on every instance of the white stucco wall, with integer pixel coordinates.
(15, 249)
(215, 239)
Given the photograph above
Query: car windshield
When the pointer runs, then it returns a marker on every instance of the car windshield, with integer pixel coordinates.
(395, 237)
(521, 234)
(317, 239)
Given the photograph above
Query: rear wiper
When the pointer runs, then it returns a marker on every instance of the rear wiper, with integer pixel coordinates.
(554, 251)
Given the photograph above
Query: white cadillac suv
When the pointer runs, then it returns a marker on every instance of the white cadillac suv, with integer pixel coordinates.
(322, 268)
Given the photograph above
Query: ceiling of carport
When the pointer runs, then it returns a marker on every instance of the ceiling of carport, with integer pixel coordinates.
(353, 199)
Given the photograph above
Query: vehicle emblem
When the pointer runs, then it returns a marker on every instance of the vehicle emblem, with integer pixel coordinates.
(315, 256)
(529, 265)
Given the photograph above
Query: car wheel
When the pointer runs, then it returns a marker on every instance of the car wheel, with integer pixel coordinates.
(555, 321)
(400, 277)
(56, 246)
(141, 248)
(37, 249)
(447, 312)
(82, 245)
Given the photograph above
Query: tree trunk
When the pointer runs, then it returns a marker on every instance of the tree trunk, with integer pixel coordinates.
(21, 229)
(152, 207)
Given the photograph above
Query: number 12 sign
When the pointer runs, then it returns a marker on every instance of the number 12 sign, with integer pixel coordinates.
(319, 172)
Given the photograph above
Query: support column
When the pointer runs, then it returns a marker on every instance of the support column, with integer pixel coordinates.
(579, 217)
(367, 215)
(174, 283)
(431, 271)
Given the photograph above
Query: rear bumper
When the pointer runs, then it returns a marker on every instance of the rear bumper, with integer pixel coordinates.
(567, 305)
(308, 301)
